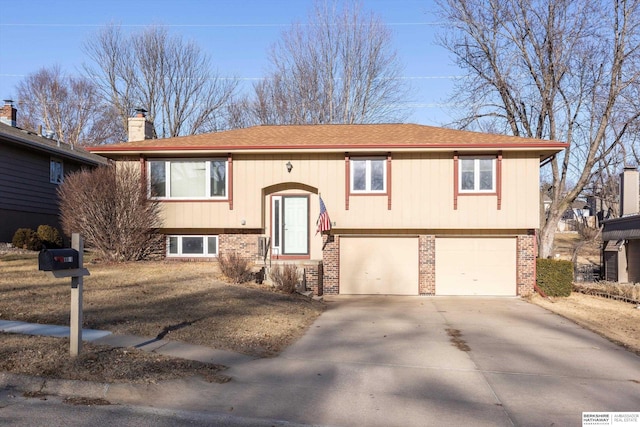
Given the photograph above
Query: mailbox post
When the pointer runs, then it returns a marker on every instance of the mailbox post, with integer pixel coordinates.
(75, 337)
(69, 263)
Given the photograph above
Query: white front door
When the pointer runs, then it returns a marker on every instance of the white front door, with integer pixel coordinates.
(290, 225)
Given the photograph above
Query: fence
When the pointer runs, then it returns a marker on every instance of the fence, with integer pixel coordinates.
(587, 273)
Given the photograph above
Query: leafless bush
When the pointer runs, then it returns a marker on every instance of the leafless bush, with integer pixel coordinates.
(235, 267)
(109, 207)
(285, 277)
(627, 291)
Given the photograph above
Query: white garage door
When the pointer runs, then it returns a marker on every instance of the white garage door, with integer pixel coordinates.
(379, 265)
(476, 266)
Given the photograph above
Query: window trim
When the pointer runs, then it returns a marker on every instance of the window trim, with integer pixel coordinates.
(368, 170)
(59, 179)
(476, 175)
(205, 246)
(167, 184)
(497, 178)
(348, 179)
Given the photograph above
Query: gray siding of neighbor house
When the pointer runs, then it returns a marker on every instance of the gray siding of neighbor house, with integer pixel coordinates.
(27, 197)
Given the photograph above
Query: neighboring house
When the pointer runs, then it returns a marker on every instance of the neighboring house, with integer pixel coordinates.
(580, 211)
(31, 169)
(414, 210)
(621, 236)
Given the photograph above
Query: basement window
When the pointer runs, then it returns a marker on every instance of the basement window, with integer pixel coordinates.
(192, 246)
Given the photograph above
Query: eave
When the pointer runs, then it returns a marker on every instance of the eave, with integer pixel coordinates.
(63, 150)
(545, 149)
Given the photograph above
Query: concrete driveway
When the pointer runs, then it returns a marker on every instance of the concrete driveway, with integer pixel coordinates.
(416, 361)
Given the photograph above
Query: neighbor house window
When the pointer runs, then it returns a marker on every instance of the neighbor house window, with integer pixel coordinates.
(477, 175)
(188, 178)
(56, 171)
(368, 175)
(192, 246)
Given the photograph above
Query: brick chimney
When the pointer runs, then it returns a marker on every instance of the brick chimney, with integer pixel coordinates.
(139, 127)
(8, 113)
(629, 192)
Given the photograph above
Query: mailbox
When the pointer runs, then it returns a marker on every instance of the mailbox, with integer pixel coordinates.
(58, 259)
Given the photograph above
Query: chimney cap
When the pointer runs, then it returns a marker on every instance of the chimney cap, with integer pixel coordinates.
(630, 168)
(140, 112)
(8, 102)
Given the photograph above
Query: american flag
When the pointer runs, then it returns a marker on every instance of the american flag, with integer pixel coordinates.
(324, 223)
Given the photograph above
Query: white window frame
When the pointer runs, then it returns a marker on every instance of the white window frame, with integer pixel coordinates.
(167, 178)
(368, 161)
(476, 174)
(205, 246)
(56, 171)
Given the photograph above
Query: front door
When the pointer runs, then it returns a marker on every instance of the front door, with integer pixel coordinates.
(290, 225)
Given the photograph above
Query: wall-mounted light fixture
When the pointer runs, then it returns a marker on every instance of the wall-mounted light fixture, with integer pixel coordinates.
(243, 222)
(289, 167)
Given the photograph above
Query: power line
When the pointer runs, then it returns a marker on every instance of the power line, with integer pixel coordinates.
(240, 25)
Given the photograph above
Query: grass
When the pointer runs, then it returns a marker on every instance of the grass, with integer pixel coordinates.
(180, 301)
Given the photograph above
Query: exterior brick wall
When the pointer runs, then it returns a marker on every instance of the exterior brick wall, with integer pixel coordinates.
(526, 263)
(245, 245)
(313, 276)
(331, 264)
(427, 265)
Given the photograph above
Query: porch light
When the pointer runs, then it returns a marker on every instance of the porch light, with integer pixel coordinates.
(289, 167)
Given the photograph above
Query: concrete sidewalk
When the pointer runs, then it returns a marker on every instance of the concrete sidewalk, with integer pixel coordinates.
(407, 361)
(160, 346)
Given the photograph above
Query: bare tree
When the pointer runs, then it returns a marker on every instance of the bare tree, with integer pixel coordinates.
(558, 69)
(69, 106)
(339, 67)
(110, 208)
(172, 79)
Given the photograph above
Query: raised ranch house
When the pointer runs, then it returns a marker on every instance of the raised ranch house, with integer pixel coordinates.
(414, 210)
(32, 167)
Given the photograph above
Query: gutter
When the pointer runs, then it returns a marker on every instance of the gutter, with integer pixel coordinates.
(87, 158)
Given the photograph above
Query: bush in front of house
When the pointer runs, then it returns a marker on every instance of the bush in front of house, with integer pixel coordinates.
(110, 209)
(50, 236)
(26, 238)
(235, 268)
(285, 277)
(555, 277)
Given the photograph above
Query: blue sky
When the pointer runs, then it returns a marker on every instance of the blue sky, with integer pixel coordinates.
(236, 34)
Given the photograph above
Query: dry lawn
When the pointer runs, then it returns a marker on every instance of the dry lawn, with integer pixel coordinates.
(615, 320)
(178, 301)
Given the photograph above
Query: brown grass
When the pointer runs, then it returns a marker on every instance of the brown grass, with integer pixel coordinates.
(177, 301)
(185, 301)
(615, 320)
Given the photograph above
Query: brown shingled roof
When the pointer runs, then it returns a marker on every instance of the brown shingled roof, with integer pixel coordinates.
(341, 137)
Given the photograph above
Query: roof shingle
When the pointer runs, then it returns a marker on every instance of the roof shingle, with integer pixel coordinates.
(331, 136)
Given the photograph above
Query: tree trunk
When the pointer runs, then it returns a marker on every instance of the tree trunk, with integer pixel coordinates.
(548, 232)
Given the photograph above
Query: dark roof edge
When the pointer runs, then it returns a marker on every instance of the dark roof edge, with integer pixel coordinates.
(28, 140)
(624, 228)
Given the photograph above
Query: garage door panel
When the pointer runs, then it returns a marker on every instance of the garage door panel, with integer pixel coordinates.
(476, 266)
(378, 265)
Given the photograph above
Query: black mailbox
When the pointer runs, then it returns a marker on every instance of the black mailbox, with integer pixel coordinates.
(58, 259)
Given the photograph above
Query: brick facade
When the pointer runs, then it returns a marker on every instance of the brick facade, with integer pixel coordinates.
(245, 245)
(427, 265)
(526, 263)
(313, 276)
(331, 264)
